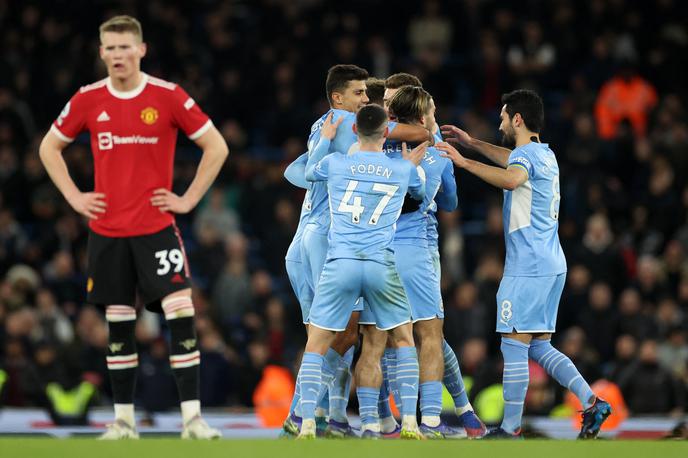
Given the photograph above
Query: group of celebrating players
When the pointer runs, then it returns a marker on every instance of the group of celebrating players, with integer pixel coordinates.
(365, 256)
(364, 260)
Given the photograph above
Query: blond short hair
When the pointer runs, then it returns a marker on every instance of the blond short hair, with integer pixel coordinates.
(410, 103)
(122, 24)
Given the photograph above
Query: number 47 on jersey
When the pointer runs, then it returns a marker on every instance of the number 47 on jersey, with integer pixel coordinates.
(356, 208)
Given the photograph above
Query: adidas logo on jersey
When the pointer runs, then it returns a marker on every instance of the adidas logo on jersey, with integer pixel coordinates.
(177, 279)
(102, 117)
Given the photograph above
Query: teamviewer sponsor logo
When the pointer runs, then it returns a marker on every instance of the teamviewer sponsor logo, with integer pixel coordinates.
(106, 140)
(134, 140)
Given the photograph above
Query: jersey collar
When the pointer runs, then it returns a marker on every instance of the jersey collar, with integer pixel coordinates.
(128, 94)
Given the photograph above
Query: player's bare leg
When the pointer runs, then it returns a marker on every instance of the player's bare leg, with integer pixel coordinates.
(185, 359)
(407, 379)
(428, 335)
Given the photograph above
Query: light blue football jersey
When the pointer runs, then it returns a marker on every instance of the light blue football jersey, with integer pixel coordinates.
(531, 215)
(294, 250)
(446, 199)
(366, 192)
(413, 227)
(319, 215)
(345, 141)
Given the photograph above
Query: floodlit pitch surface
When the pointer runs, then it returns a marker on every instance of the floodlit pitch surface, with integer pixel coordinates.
(31, 447)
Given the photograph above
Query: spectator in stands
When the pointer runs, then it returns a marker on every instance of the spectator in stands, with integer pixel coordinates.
(626, 97)
(620, 138)
(649, 388)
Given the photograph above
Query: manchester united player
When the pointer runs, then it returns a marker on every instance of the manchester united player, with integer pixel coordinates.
(134, 245)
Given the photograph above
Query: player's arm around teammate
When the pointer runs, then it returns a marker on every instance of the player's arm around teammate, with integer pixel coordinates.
(296, 171)
(497, 154)
(535, 267)
(322, 148)
(509, 179)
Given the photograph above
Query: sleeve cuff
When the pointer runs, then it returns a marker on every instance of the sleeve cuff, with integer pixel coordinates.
(521, 166)
(60, 135)
(204, 128)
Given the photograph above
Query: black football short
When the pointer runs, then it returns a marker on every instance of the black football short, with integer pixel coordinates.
(152, 266)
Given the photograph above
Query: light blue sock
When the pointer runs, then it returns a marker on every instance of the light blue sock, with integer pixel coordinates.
(367, 405)
(562, 369)
(339, 391)
(391, 360)
(431, 400)
(311, 370)
(515, 382)
(383, 408)
(452, 377)
(330, 363)
(296, 399)
(324, 400)
(407, 379)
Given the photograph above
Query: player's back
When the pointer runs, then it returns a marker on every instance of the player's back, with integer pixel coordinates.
(412, 225)
(367, 192)
(531, 215)
(317, 203)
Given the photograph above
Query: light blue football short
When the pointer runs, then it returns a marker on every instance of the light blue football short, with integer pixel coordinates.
(313, 255)
(303, 292)
(436, 262)
(420, 280)
(314, 246)
(529, 304)
(345, 281)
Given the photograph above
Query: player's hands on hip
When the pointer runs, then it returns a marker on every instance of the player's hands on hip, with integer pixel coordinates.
(329, 128)
(416, 155)
(167, 201)
(452, 153)
(455, 135)
(89, 204)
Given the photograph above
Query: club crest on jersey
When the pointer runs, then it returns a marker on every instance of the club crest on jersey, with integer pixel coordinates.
(149, 115)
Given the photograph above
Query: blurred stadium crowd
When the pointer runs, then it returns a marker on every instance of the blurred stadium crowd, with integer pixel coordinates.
(612, 74)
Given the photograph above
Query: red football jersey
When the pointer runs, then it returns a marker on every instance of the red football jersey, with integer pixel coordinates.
(133, 138)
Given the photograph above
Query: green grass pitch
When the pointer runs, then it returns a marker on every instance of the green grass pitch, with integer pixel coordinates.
(171, 448)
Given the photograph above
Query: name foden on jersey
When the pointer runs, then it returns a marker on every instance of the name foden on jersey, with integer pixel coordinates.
(371, 169)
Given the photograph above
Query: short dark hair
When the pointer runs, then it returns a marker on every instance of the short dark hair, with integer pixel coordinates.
(402, 79)
(338, 78)
(371, 121)
(529, 105)
(375, 90)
